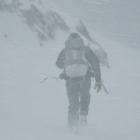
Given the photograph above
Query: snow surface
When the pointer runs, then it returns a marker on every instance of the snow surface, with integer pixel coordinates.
(32, 111)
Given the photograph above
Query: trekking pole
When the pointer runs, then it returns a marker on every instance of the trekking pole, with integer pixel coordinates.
(49, 78)
(104, 88)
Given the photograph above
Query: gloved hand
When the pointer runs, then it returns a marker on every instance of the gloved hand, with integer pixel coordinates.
(98, 85)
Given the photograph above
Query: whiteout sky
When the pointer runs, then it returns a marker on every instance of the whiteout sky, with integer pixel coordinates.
(117, 19)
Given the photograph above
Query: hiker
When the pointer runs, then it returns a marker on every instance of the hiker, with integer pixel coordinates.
(79, 64)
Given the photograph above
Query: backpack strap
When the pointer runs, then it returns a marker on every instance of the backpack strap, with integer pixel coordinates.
(69, 55)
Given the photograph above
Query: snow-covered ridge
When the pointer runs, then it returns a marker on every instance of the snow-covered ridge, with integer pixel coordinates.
(46, 23)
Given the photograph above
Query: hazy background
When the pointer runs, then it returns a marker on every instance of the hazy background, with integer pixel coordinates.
(116, 19)
(32, 33)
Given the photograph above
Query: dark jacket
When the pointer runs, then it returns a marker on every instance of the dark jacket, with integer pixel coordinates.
(91, 58)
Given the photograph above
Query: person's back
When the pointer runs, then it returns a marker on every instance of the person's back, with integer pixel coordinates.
(79, 64)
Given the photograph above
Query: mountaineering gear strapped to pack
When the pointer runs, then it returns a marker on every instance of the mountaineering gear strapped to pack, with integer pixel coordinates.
(75, 64)
(94, 66)
(93, 61)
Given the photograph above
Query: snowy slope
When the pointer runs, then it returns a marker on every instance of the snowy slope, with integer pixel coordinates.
(116, 19)
(31, 110)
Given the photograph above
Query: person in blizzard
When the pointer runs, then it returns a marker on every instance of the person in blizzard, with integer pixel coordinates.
(79, 64)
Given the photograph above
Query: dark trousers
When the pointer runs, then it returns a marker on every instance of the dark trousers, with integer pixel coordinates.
(78, 96)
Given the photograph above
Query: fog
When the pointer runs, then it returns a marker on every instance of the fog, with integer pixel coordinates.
(32, 33)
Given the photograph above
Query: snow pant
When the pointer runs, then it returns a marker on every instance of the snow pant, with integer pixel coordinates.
(78, 96)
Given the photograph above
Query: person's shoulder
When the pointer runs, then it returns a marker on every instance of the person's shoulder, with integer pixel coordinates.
(91, 54)
(62, 50)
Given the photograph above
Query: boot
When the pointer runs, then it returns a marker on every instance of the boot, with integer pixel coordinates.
(73, 119)
(83, 118)
(73, 122)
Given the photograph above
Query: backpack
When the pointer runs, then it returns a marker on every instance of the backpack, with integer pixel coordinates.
(76, 64)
